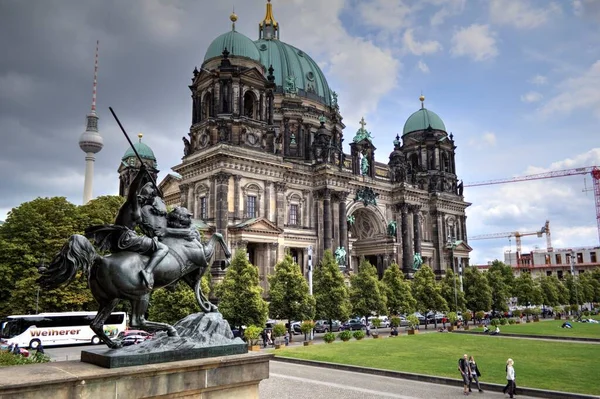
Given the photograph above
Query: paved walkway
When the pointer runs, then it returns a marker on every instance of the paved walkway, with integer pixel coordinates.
(299, 381)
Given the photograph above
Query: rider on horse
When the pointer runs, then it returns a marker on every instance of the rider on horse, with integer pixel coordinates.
(144, 208)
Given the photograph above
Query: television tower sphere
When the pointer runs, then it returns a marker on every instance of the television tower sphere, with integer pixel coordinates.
(90, 140)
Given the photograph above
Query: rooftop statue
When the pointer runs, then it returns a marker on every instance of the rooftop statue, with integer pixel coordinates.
(364, 166)
(417, 261)
(391, 228)
(340, 256)
(290, 85)
(362, 133)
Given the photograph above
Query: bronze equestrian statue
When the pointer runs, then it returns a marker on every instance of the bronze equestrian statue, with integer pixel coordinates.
(168, 251)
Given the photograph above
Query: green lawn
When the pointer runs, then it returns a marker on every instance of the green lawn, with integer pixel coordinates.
(552, 327)
(570, 367)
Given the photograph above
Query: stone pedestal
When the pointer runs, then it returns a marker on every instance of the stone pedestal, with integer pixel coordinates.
(235, 376)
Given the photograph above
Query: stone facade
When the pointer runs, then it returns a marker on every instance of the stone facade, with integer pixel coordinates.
(265, 166)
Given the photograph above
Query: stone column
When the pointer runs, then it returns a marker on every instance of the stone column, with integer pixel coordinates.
(416, 228)
(241, 100)
(183, 196)
(343, 223)
(213, 198)
(236, 196)
(464, 224)
(406, 260)
(327, 220)
(280, 188)
(190, 198)
(261, 106)
(267, 213)
(222, 216)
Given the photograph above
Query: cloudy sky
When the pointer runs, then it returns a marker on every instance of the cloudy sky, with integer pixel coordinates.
(516, 81)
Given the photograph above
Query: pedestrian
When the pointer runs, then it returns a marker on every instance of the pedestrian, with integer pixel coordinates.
(40, 349)
(511, 386)
(496, 331)
(16, 349)
(287, 338)
(463, 367)
(475, 374)
(264, 338)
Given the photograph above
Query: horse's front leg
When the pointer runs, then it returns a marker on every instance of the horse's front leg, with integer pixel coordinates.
(138, 321)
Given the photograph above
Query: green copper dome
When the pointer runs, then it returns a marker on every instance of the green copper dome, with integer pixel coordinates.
(142, 149)
(288, 61)
(237, 45)
(422, 119)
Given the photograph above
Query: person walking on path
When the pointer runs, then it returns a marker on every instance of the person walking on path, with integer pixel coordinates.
(465, 372)
(510, 378)
(475, 374)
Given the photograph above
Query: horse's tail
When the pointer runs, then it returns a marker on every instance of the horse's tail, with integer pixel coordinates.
(77, 253)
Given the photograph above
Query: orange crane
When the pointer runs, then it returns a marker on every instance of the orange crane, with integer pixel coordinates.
(594, 171)
(544, 230)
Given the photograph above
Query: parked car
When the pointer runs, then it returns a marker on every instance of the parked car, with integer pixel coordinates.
(132, 337)
(385, 322)
(322, 326)
(354, 325)
(295, 327)
(420, 317)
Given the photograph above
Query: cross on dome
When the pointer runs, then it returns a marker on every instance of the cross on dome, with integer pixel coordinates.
(362, 123)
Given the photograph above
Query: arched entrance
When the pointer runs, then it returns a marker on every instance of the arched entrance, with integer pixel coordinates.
(369, 239)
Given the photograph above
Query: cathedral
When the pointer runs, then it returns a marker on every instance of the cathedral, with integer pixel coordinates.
(264, 165)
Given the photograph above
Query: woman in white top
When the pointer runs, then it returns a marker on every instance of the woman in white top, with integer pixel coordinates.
(510, 378)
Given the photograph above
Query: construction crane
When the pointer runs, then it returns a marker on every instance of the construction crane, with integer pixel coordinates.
(594, 171)
(544, 230)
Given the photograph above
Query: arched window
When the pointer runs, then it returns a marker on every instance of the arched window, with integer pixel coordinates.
(208, 106)
(252, 193)
(445, 163)
(249, 105)
(414, 161)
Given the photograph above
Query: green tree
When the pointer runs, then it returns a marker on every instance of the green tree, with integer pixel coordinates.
(575, 290)
(397, 291)
(366, 294)
(527, 291)
(588, 287)
(332, 301)
(100, 210)
(240, 296)
(450, 290)
(477, 290)
(290, 299)
(35, 231)
(596, 277)
(501, 292)
(507, 275)
(549, 290)
(427, 292)
(169, 305)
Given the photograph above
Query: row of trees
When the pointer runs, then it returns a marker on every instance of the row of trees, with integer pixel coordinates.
(35, 231)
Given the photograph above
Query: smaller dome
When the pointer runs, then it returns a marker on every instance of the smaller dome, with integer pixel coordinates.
(142, 149)
(421, 120)
(237, 45)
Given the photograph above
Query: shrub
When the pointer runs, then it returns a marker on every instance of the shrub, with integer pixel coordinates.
(278, 330)
(252, 334)
(358, 334)
(307, 326)
(452, 317)
(511, 321)
(574, 308)
(345, 335)
(9, 359)
(503, 321)
(329, 337)
(480, 315)
(395, 321)
(567, 308)
(413, 321)
(495, 322)
(376, 322)
(467, 316)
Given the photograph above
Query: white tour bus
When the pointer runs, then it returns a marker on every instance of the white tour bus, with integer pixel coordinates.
(58, 328)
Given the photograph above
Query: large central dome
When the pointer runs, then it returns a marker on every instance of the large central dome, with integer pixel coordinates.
(288, 61)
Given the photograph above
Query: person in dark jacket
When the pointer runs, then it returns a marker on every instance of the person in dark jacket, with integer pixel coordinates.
(465, 372)
(475, 374)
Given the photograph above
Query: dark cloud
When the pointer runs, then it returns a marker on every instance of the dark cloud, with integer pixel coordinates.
(148, 50)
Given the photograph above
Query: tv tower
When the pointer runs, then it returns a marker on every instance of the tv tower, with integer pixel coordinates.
(90, 141)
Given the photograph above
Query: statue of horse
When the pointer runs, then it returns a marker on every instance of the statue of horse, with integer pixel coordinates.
(116, 277)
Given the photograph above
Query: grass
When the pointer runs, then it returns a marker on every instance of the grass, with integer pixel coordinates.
(569, 367)
(551, 328)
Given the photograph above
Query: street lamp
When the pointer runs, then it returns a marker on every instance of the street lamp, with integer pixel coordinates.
(41, 268)
(451, 244)
(574, 279)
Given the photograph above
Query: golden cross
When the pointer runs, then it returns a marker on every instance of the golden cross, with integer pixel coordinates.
(362, 123)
